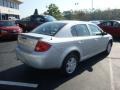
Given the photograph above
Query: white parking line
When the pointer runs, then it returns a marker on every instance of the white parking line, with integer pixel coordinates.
(111, 75)
(18, 84)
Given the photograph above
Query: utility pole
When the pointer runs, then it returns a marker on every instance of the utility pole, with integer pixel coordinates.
(92, 10)
(92, 6)
(76, 5)
(0, 15)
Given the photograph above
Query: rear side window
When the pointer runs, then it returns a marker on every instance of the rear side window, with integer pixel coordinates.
(50, 28)
(106, 23)
(116, 24)
(80, 30)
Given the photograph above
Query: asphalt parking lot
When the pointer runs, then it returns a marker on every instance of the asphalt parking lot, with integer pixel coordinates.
(97, 73)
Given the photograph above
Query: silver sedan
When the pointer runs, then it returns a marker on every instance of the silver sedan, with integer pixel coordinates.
(62, 45)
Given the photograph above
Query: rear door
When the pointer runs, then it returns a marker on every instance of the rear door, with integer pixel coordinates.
(84, 41)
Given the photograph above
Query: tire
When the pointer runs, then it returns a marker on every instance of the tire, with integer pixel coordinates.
(108, 49)
(70, 64)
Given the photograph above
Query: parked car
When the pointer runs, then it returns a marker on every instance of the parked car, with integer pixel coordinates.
(33, 21)
(97, 22)
(62, 44)
(112, 27)
(9, 29)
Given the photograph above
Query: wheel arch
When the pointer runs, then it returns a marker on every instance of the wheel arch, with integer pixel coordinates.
(111, 41)
(73, 50)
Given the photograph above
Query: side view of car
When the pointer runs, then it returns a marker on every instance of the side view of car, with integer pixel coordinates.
(33, 21)
(9, 29)
(62, 44)
(112, 27)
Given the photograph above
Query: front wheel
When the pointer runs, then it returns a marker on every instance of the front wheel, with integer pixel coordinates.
(70, 64)
(108, 49)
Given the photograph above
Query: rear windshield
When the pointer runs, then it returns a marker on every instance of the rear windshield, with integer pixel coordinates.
(50, 28)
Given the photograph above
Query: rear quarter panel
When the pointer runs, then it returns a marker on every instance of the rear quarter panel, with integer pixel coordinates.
(64, 46)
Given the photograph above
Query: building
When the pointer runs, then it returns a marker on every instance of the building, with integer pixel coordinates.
(9, 8)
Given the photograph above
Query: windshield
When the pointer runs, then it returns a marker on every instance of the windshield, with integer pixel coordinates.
(7, 23)
(49, 28)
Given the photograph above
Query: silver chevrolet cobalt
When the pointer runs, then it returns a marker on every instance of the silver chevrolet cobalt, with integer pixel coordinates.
(62, 45)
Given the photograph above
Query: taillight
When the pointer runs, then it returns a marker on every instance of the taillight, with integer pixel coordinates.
(42, 46)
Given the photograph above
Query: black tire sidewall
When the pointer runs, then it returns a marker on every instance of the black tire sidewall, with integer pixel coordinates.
(107, 48)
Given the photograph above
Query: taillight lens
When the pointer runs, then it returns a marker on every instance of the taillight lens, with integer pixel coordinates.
(42, 46)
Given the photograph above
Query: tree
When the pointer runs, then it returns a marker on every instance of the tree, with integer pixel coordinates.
(54, 11)
(67, 15)
(109, 14)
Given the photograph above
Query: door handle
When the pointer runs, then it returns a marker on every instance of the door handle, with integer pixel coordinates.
(80, 42)
(96, 39)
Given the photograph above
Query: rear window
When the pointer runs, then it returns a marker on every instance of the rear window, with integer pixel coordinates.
(49, 28)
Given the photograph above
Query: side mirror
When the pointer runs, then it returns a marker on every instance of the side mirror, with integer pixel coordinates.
(104, 33)
(98, 33)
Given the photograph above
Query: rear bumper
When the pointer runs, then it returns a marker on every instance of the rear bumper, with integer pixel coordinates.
(37, 60)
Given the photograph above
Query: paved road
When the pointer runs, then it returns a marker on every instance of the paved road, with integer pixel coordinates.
(97, 73)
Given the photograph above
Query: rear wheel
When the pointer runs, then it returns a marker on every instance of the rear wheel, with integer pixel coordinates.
(70, 64)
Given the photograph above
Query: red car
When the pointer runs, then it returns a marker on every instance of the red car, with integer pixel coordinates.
(9, 29)
(112, 27)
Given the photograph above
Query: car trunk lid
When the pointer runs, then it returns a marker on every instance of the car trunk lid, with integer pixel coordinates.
(28, 41)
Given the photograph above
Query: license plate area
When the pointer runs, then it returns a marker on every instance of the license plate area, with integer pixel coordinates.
(27, 43)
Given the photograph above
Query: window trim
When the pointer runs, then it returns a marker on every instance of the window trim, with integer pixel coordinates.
(74, 30)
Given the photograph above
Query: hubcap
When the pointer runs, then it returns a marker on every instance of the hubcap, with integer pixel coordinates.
(71, 65)
(109, 48)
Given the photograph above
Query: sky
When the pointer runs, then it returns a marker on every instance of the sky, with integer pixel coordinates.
(28, 6)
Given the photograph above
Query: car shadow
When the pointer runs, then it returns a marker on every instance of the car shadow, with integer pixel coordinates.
(3, 40)
(46, 79)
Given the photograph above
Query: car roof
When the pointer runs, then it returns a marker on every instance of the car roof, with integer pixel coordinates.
(96, 20)
(73, 22)
(6, 20)
(112, 20)
(116, 21)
